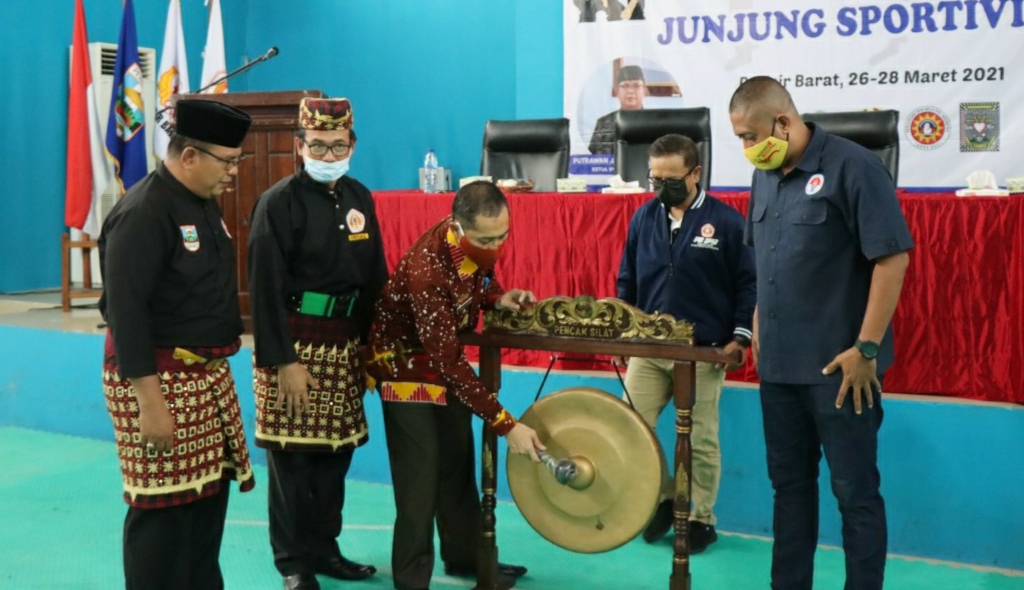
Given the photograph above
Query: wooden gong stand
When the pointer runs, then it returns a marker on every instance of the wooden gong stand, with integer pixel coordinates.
(605, 327)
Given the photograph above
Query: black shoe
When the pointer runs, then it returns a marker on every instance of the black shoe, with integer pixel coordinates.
(504, 569)
(344, 569)
(701, 535)
(661, 523)
(301, 582)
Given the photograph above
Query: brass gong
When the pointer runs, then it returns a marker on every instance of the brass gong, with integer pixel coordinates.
(600, 479)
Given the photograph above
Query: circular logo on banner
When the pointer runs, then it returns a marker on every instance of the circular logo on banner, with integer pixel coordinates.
(708, 230)
(815, 184)
(927, 128)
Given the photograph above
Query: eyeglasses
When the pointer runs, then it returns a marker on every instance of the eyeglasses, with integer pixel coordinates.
(339, 150)
(670, 183)
(228, 164)
(631, 85)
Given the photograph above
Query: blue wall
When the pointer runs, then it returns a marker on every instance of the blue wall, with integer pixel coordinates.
(418, 78)
(950, 471)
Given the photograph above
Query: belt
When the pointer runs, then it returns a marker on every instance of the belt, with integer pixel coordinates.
(323, 305)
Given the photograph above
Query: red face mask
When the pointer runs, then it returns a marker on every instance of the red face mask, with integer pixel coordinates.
(485, 258)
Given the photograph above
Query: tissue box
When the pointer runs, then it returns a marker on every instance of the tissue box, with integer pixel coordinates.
(1015, 184)
(571, 185)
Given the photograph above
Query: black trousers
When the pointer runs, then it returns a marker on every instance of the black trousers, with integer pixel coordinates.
(307, 494)
(176, 548)
(433, 471)
(800, 421)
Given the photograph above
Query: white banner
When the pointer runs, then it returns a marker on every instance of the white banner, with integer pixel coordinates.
(950, 67)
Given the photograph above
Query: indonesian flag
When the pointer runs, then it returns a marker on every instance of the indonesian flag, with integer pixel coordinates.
(173, 77)
(213, 55)
(87, 174)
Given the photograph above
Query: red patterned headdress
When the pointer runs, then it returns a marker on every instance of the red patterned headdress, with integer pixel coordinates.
(325, 114)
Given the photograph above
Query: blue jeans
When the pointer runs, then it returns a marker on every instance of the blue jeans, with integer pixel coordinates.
(799, 421)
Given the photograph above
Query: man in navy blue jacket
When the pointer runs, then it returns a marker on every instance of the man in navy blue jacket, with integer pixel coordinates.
(685, 256)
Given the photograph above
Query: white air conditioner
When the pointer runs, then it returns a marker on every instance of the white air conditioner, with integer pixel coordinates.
(102, 59)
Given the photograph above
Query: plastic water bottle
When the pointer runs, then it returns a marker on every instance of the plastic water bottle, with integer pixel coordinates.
(430, 172)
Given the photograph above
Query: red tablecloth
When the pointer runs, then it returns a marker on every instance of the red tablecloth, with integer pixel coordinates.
(959, 325)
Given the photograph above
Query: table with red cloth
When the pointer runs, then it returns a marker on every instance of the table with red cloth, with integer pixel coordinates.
(959, 327)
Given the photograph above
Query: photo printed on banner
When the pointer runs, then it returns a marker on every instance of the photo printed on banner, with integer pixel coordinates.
(979, 127)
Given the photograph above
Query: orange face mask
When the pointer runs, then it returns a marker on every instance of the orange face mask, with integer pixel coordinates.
(485, 258)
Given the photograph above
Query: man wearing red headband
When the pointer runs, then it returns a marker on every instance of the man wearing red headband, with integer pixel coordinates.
(316, 267)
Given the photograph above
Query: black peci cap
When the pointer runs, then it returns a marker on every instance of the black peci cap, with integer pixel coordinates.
(627, 73)
(212, 122)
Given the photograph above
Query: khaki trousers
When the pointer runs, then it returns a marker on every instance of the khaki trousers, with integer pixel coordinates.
(649, 383)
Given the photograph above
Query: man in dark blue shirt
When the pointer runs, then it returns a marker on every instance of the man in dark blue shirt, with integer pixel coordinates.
(685, 256)
(831, 247)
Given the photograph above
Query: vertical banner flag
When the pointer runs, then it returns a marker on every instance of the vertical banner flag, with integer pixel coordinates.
(126, 134)
(213, 55)
(172, 79)
(87, 175)
(948, 68)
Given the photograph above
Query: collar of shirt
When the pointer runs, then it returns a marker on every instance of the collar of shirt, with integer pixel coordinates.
(810, 161)
(176, 185)
(463, 264)
(319, 187)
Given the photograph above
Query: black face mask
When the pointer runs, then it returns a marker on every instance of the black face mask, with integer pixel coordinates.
(673, 192)
(672, 196)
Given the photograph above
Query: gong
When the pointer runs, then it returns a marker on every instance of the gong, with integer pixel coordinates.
(599, 481)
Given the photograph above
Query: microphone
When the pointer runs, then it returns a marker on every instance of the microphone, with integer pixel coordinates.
(273, 51)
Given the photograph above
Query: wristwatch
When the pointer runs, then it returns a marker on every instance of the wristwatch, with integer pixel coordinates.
(742, 341)
(867, 348)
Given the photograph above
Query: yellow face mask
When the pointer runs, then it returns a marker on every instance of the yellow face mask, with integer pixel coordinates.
(768, 154)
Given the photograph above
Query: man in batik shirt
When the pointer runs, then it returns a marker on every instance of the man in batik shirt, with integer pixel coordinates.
(429, 390)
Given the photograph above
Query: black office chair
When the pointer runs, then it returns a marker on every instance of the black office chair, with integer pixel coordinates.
(635, 131)
(879, 131)
(537, 149)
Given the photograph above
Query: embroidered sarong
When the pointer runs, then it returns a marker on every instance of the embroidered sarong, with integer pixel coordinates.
(337, 419)
(209, 441)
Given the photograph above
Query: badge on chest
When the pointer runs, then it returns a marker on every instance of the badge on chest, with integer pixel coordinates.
(356, 224)
(190, 237)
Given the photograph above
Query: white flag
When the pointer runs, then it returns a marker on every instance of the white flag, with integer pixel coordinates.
(173, 77)
(213, 56)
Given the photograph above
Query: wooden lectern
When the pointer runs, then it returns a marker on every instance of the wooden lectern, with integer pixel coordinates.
(589, 326)
(269, 151)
